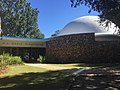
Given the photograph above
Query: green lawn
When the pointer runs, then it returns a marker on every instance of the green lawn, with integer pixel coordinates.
(20, 69)
(25, 77)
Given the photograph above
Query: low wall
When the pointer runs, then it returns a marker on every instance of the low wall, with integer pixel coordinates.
(81, 48)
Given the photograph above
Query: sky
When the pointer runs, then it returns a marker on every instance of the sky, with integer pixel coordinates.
(55, 14)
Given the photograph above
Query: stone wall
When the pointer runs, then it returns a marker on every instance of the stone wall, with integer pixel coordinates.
(69, 48)
(107, 51)
(81, 48)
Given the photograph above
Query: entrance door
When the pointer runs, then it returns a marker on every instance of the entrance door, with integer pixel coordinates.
(26, 54)
(31, 54)
(34, 54)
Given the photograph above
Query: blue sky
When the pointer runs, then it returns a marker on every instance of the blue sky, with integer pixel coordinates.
(55, 14)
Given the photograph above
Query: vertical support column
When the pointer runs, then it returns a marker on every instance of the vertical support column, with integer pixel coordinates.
(1, 32)
(17, 52)
(0, 24)
(11, 50)
(30, 55)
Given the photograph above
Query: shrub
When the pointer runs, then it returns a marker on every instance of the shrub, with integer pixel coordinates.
(41, 59)
(2, 62)
(14, 60)
(7, 59)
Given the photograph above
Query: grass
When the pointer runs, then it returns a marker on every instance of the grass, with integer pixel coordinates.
(19, 69)
(68, 65)
(25, 77)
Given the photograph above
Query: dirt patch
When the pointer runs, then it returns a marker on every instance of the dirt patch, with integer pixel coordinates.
(4, 70)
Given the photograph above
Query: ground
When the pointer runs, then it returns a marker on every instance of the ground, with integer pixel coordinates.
(37, 77)
(101, 78)
(60, 77)
(4, 70)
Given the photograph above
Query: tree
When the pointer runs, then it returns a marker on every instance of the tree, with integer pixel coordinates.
(108, 9)
(19, 19)
(56, 33)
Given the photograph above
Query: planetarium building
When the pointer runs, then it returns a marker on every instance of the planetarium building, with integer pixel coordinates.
(82, 40)
(85, 40)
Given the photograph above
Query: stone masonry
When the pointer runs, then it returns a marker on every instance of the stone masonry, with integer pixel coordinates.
(83, 48)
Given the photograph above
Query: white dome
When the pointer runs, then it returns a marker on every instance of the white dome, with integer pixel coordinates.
(87, 24)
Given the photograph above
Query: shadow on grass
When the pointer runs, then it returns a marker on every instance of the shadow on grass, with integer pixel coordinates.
(104, 78)
(103, 82)
(51, 80)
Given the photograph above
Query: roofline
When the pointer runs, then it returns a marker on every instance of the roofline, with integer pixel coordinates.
(20, 38)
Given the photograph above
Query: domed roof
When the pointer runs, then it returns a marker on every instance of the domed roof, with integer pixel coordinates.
(87, 24)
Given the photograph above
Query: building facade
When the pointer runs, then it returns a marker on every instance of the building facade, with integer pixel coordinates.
(84, 40)
(28, 49)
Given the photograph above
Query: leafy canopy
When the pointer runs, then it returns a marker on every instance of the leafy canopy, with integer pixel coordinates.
(19, 19)
(107, 9)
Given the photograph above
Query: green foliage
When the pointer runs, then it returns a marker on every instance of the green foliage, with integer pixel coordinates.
(14, 60)
(7, 59)
(41, 59)
(2, 63)
(19, 19)
(107, 9)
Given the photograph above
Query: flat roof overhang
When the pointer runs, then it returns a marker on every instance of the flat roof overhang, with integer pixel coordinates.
(22, 42)
(107, 37)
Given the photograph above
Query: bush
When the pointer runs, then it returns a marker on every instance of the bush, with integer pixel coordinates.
(7, 59)
(14, 60)
(2, 62)
(41, 59)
